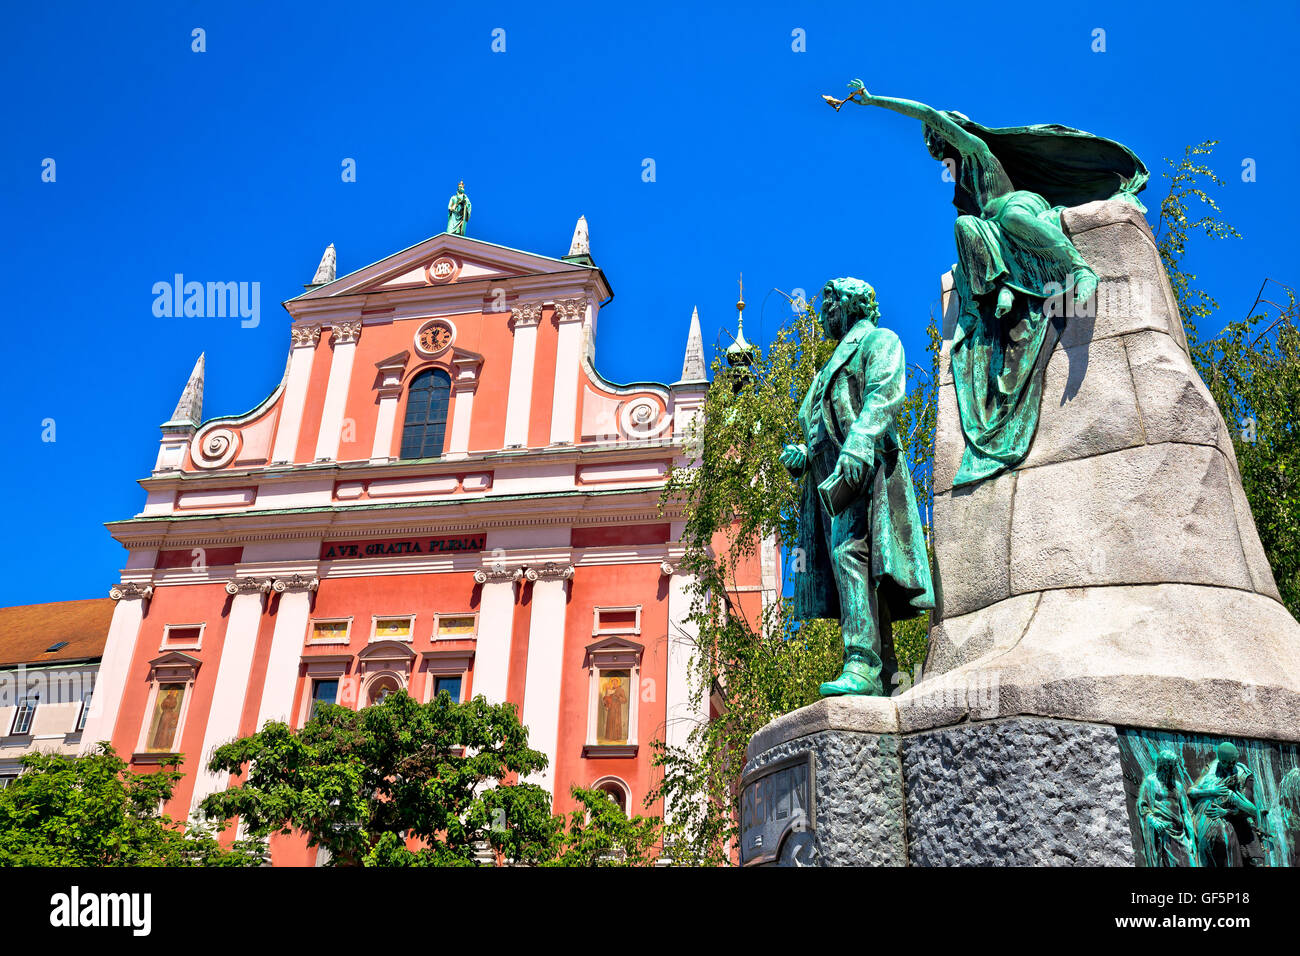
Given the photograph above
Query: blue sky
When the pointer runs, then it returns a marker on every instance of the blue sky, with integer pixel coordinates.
(225, 166)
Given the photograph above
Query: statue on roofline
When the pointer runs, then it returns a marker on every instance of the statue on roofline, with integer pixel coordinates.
(458, 209)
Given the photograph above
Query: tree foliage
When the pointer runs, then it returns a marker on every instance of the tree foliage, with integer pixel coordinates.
(1251, 367)
(401, 783)
(92, 811)
(733, 493)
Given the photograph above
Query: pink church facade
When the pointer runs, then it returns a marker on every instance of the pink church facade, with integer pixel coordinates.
(442, 494)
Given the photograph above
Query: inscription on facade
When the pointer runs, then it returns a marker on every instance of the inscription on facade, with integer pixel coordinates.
(392, 547)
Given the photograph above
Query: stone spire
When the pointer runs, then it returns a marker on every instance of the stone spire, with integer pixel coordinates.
(189, 410)
(580, 247)
(324, 271)
(693, 367)
(581, 244)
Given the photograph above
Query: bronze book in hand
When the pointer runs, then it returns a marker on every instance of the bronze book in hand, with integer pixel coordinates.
(837, 493)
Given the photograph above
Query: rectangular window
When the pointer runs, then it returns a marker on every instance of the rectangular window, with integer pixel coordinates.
(6, 779)
(451, 627)
(614, 707)
(618, 620)
(323, 692)
(176, 636)
(23, 716)
(166, 718)
(393, 628)
(451, 685)
(85, 710)
(329, 632)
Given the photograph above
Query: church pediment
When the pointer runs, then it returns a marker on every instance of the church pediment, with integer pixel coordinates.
(443, 260)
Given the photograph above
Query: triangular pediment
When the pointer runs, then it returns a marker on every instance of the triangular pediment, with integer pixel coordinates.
(443, 260)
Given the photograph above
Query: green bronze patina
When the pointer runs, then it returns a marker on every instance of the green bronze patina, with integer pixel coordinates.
(861, 540)
(458, 209)
(1165, 815)
(1013, 259)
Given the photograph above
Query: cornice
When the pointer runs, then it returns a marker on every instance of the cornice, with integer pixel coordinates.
(394, 519)
(611, 452)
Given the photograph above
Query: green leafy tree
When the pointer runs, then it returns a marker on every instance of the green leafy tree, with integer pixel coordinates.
(365, 785)
(360, 783)
(92, 811)
(754, 665)
(599, 833)
(1252, 367)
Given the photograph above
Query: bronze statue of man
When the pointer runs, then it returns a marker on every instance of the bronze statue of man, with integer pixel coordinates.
(861, 543)
(458, 210)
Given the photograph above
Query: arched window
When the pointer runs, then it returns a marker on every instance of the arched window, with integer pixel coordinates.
(426, 414)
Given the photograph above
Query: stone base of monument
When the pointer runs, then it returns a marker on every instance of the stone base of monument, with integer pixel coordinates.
(839, 783)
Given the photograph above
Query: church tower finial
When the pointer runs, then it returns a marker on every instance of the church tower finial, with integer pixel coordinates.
(740, 352)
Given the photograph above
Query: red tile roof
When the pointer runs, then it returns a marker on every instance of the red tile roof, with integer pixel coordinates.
(26, 632)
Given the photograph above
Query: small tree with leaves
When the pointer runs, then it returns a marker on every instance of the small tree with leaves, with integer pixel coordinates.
(93, 811)
(1251, 367)
(401, 783)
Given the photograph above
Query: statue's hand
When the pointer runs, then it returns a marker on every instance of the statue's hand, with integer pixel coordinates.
(859, 94)
(853, 470)
(794, 457)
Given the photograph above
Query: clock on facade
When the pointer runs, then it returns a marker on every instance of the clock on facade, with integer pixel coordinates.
(434, 337)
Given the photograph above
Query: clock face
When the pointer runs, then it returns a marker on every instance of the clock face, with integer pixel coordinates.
(434, 337)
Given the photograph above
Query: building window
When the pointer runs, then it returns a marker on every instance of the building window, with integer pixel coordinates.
(329, 632)
(6, 779)
(427, 400)
(392, 628)
(617, 620)
(323, 692)
(182, 637)
(614, 666)
(450, 683)
(325, 682)
(23, 716)
(85, 709)
(455, 627)
(165, 724)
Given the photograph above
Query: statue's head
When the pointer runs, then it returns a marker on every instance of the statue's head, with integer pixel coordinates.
(1167, 766)
(846, 302)
(934, 143)
(460, 189)
(1227, 754)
